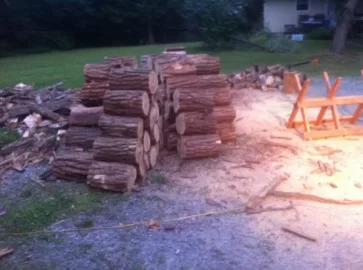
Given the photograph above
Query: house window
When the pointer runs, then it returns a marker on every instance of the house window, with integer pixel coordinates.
(302, 5)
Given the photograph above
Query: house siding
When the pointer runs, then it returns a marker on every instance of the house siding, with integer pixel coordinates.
(278, 13)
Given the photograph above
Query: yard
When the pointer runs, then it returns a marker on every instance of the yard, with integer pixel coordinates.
(48, 68)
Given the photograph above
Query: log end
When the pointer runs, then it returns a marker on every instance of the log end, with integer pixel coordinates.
(153, 82)
(146, 141)
(153, 155)
(180, 124)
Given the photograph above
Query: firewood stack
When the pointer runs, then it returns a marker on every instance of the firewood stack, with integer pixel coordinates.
(129, 143)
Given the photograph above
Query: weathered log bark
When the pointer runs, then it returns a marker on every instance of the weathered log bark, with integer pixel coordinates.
(201, 82)
(205, 64)
(194, 123)
(193, 100)
(126, 103)
(198, 146)
(19, 146)
(112, 176)
(93, 92)
(171, 140)
(222, 96)
(134, 79)
(153, 59)
(72, 166)
(152, 117)
(153, 155)
(226, 131)
(45, 112)
(155, 134)
(124, 150)
(120, 126)
(83, 137)
(169, 114)
(146, 141)
(174, 68)
(121, 61)
(224, 113)
(85, 116)
(96, 72)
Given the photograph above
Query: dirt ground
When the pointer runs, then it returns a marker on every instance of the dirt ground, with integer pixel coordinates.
(330, 170)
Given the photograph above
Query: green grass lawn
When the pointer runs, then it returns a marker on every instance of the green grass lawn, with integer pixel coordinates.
(48, 68)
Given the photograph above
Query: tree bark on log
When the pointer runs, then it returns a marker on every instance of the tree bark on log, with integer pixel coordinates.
(96, 72)
(120, 126)
(222, 96)
(185, 100)
(83, 137)
(146, 141)
(93, 92)
(152, 117)
(85, 116)
(153, 155)
(112, 176)
(134, 79)
(113, 149)
(121, 61)
(171, 140)
(226, 131)
(205, 64)
(126, 103)
(155, 134)
(224, 113)
(176, 68)
(72, 166)
(201, 82)
(198, 146)
(153, 59)
(194, 123)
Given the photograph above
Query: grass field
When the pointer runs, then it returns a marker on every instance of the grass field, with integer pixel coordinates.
(48, 68)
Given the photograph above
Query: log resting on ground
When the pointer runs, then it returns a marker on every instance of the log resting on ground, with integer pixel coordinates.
(198, 146)
(226, 131)
(193, 100)
(194, 123)
(224, 113)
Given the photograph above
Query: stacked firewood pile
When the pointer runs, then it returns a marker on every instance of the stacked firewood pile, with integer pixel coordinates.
(197, 114)
(269, 78)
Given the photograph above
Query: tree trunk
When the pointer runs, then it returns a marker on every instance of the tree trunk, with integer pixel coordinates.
(155, 135)
(171, 140)
(343, 25)
(152, 118)
(191, 100)
(93, 92)
(114, 149)
(194, 123)
(198, 146)
(72, 166)
(112, 176)
(153, 155)
(96, 72)
(85, 116)
(222, 96)
(134, 79)
(201, 82)
(119, 126)
(126, 103)
(226, 131)
(83, 137)
(146, 141)
(205, 64)
(224, 113)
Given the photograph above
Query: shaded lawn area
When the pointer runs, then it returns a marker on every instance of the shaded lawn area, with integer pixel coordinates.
(48, 68)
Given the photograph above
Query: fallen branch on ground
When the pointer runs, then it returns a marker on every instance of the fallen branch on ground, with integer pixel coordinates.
(309, 238)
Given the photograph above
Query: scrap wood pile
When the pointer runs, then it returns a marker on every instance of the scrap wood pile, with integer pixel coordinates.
(39, 119)
(269, 78)
(195, 103)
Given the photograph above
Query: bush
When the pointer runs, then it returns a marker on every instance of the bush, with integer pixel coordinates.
(321, 34)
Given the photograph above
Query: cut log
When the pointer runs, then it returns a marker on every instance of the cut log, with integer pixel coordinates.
(121, 61)
(224, 113)
(147, 161)
(153, 155)
(175, 68)
(45, 112)
(141, 169)
(120, 126)
(155, 134)
(171, 140)
(72, 166)
(146, 141)
(152, 118)
(152, 61)
(185, 100)
(222, 96)
(112, 176)
(85, 116)
(198, 146)
(201, 82)
(205, 64)
(96, 72)
(161, 132)
(169, 114)
(93, 92)
(226, 131)
(123, 150)
(134, 79)
(126, 103)
(194, 123)
(82, 137)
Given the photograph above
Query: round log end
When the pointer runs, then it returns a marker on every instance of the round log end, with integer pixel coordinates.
(147, 161)
(153, 82)
(176, 101)
(140, 129)
(156, 134)
(180, 123)
(146, 141)
(180, 147)
(139, 153)
(153, 155)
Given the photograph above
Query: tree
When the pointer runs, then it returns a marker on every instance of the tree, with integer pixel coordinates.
(347, 8)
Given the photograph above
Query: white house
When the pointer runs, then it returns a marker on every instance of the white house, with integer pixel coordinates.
(281, 13)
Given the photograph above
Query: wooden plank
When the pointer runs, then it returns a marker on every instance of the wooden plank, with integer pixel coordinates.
(323, 102)
(321, 134)
(356, 114)
(325, 121)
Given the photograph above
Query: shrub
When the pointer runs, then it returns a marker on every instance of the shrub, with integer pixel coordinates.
(321, 34)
